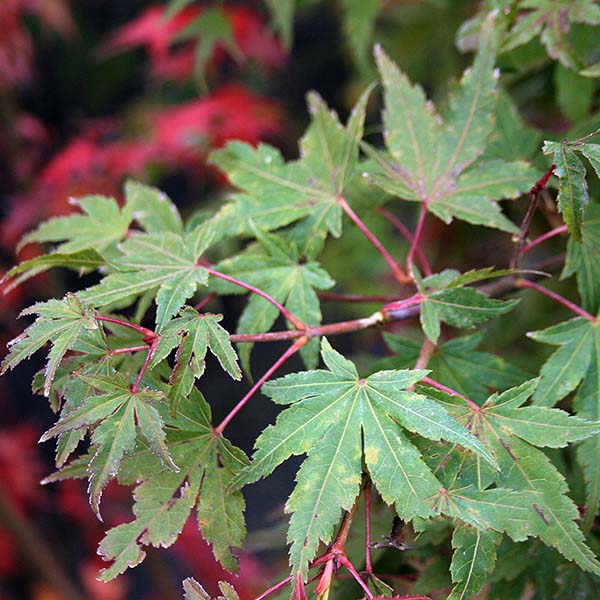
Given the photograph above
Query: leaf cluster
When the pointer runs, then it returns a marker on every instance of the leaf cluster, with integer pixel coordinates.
(454, 438)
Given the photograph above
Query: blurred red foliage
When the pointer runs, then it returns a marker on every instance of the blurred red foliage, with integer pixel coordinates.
(178, 137)
(16, 46)
(38, 177)
(170, 60)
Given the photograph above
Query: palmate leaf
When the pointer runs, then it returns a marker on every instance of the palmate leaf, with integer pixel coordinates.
(359, 23)
(329, 408)
(459, 307)
(193, 334)
(282, 15)
(583, 260)
(102, 225)
(432, 161)
(280, 272)
(276, 193)
(512, 138)
(531, 484)
(60, 322)
(115, 414)
(90, 239)
(165, 261)
(458, 364)
(565, 368)
(74, 393)
(164, 499)
(576, 361)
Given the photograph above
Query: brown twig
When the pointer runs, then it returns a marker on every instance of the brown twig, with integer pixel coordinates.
(533, 196)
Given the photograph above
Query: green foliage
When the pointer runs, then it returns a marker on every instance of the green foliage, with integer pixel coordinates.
(60, 322)
(277, 269)
(583, 260)
(276, 193)
(428, 158)
(460, 307)
(464, 445)
(194, 591)
(165, 498)
(524, 20)
(458, 364)
(473, 559)
(329, 410)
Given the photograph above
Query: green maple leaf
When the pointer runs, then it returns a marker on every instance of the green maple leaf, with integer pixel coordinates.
(210, 29)
(527, 482)
(275, 193)
(162, 262)
(583, 260)
(82, 261)
(75, 392)
(432, 161)
(282, 15)
(520, 22)
(359, 23)
(573, 194)
(459, 307)
(551, 20)
(473, 559)
(152, 208)
(115, 415)
(567, 366)
(592, 153)
(193, 334)
(329, 409)
(194, 591)
(60, 322)
(512, 138)
(164, 499)
(91, 238)
(279, 271)
(458, 365)
(577, 361)
(102, 225)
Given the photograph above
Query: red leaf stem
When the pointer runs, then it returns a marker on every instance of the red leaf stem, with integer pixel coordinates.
(368, 565)
(147, 333)
(533, 196)
(444, 388)
(417, 237)
(525, 283)
(293, 319)
(208, 298)
(344, 561)
(127, 350)
(151, 349)
(289, 352)
(543, 238)
(399, 274)
(274, 588)
(401, 227)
